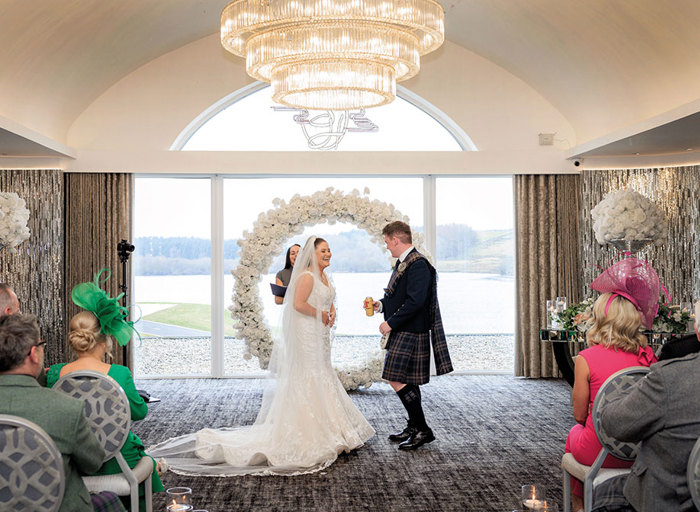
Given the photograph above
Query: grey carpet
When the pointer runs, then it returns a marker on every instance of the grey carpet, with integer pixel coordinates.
(494, 434)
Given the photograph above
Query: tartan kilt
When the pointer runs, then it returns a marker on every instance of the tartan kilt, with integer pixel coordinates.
(407, 358)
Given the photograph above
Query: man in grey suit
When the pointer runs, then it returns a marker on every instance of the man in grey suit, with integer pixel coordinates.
(62, 417)
(663, 412)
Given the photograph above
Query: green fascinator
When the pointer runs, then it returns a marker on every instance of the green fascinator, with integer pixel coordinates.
(111, 315)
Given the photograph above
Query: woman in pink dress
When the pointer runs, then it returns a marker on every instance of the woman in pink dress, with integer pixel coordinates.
(629, 300)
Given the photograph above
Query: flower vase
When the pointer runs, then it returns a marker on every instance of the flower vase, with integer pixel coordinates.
(630, 247)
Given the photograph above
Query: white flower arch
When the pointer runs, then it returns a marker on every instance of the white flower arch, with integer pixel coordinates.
(267, 240)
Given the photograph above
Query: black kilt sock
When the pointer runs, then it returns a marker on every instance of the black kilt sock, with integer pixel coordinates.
(411, 400)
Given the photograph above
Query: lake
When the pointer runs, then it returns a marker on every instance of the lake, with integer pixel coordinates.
(470, 303)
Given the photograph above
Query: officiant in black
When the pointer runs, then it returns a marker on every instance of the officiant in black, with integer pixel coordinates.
(283, 276)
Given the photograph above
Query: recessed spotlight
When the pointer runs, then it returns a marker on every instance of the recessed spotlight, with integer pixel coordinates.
(636, 154)
(689, 149)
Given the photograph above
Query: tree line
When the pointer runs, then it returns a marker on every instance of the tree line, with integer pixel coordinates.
(459, 249)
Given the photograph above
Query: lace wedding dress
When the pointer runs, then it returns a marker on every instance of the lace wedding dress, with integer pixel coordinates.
(306, 418)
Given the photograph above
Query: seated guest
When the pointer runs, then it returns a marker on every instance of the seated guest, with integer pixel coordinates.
(663, 412)
(9, 304)
(630, 291)
(90, 338)
(283, 276)
(679, 347)
(62, 417)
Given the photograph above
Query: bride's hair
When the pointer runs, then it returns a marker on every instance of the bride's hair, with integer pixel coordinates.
(318, 242)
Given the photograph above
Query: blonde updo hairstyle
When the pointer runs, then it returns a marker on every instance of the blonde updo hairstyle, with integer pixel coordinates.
(85, 333)
(619, 328)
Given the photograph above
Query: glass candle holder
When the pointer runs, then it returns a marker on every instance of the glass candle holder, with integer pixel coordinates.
(179, 499)
(548, 506)
(551, 309)
(561, 304)
(532, 496)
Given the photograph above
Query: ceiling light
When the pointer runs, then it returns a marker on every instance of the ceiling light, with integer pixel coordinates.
(332, 54)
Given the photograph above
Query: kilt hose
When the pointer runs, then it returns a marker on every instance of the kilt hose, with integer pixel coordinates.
(407, 358)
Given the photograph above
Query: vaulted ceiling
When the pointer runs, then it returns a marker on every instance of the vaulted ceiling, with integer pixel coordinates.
(633, 59)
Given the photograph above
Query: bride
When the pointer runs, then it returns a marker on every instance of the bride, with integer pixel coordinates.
(306, 418)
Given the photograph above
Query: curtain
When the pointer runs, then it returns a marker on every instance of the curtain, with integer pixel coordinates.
(548, 261)
(97, 216)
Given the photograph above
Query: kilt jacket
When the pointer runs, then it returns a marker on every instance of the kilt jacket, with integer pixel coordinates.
(411, 309)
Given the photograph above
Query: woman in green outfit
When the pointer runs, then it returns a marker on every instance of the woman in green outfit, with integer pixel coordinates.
(91, 340)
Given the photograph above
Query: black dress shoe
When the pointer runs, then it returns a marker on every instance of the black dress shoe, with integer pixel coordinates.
(404, 435)
(417, 440)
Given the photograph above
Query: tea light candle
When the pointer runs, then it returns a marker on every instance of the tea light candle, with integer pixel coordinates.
(532, 503)
(179, 507)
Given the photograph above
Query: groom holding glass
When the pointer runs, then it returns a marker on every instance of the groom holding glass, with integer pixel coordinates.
(411, 321)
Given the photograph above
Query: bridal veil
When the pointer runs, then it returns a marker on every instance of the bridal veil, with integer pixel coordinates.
(306, 417)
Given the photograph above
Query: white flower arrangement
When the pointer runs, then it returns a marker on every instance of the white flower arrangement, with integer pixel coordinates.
(267, 240)
(627, 214)
(13, 220)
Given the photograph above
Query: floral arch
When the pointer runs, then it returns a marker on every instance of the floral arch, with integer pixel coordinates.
(267, 240)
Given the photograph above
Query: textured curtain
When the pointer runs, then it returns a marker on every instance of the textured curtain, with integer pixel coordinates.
(548, 261)
(97, 217)
(35, 272)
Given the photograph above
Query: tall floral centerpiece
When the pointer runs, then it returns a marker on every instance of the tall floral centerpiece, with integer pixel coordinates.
(628, 220)
(13, 221)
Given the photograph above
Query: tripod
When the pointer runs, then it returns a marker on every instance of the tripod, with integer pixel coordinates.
(124, 250)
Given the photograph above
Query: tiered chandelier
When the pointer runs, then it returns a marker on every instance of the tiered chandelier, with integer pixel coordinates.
(332, 54)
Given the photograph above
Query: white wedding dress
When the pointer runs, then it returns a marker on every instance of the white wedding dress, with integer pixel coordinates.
(306, 418)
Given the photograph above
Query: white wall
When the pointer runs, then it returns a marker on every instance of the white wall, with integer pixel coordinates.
(131, 126)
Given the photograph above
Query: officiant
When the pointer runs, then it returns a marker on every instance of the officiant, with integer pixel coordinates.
(283, 276)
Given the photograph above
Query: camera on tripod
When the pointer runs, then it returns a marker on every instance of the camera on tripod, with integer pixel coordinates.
(124, 249)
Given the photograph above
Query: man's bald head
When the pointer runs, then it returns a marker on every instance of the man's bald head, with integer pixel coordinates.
(9, 304)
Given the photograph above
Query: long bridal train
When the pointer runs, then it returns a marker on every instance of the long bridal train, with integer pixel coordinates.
(306, 418)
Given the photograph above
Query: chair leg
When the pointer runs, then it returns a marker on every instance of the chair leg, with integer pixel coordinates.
(135, 498)
(588, 497)
(148, 483)
(567, 491)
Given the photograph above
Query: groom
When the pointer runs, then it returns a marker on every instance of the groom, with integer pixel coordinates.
(412, 319)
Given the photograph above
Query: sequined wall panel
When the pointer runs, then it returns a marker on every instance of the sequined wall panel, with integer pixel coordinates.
(36, 271)
(677, 191)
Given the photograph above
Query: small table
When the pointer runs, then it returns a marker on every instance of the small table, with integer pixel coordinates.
(561, 338)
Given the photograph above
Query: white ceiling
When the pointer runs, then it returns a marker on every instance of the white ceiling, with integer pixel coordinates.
(633, 59)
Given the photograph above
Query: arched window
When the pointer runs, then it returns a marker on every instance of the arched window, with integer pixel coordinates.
(248, 120)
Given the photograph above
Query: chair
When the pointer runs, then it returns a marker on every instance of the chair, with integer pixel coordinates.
(31, 467)
(693, 474)
(109, 415)
(593, 475)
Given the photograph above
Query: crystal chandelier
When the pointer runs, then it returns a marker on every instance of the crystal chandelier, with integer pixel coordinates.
(332, 54)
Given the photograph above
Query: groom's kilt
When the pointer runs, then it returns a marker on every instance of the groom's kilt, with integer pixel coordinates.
(407, 358)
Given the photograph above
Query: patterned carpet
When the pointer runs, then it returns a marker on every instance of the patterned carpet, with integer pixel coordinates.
(494, 434)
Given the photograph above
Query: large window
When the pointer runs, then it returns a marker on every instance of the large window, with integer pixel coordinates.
(475, 258)
(248, 122)
(172, 265)
(187, 231)
(358, 266)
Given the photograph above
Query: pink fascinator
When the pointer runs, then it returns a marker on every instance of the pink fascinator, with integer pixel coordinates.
(635, 280)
